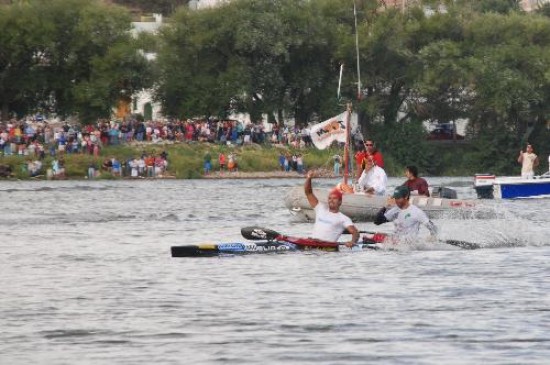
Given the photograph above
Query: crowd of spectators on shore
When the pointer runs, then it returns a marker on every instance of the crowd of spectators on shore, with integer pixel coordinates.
(35, 139)
(39, 137)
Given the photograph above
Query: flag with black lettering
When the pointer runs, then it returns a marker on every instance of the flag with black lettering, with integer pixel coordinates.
(334, 129)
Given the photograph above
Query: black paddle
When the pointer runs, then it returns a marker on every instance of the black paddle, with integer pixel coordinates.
(259, 233)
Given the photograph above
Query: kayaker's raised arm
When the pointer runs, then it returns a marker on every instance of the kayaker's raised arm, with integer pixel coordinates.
(311, 198)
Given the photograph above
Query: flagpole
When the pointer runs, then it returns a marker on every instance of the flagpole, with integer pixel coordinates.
(346, 146)
(340, 80)
(357, 53)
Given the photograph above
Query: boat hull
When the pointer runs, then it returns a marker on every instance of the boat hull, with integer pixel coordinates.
(511, 187)
(363, 207)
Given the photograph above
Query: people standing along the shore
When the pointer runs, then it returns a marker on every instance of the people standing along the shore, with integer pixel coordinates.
(300, 163)
(415, 183)
(528, 160)
(221, 161)
(287, 162)
(329, 221)
(406, 217)
(134, 164)
(92, 170)
(34, 168)
(150, 165)
(58, 167)
(373, 179)
(207, 163)
(337, 164)
(232, 165)
(282, 160)
(115, 167)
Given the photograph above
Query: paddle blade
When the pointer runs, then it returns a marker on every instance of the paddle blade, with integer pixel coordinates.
(259, 233)
(463, 244)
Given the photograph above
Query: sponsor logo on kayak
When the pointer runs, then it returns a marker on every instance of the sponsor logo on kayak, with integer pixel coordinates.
(272, 248)
(266, 247)
(233, 247)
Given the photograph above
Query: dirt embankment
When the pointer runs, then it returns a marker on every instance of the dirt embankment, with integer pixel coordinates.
(264, 174)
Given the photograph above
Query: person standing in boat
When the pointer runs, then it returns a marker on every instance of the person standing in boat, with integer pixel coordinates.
(329, 221)
(528, 160)
(415, 183)
(373, 179)
(370, 152)
(407, 217)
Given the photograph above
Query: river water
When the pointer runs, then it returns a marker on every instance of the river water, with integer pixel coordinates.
(87, 278)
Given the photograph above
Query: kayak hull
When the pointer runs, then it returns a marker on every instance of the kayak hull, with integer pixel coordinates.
(280, 246)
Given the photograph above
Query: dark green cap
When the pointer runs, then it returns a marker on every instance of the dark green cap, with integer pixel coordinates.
(401, 192)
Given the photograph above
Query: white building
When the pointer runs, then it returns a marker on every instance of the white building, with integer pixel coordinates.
(142, 101)
(203, 4)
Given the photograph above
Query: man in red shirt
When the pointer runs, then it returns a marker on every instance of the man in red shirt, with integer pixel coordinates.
(415, 183)
(369, 152)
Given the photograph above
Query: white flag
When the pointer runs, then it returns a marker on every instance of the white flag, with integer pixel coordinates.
(334, 129)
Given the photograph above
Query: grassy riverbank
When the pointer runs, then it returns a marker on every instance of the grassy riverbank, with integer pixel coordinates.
(185, 161)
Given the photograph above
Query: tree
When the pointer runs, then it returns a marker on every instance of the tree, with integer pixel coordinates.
(54, 52)
(22, 59)
(252, 56)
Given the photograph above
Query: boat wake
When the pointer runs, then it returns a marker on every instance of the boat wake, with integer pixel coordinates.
(498, 233)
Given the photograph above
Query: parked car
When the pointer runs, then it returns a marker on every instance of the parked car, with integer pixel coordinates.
(444, 132)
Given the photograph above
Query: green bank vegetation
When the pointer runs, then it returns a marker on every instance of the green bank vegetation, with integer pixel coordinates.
(186, 160)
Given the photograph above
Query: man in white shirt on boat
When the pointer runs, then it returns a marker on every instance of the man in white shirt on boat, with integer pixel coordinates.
(407, 217)
(329, 221)
(373, 179)
(528, 160)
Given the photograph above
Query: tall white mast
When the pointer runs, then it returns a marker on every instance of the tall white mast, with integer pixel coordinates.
(357, 53)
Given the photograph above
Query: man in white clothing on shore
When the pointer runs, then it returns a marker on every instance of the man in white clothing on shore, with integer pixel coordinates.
(373, 179)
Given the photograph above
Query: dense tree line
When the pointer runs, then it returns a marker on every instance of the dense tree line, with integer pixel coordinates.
(67, 57)
(481, 60)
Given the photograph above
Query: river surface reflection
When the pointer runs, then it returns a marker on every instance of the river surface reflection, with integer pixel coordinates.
(87, 278)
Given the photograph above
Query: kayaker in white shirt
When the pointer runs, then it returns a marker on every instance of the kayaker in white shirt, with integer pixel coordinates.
(329, 221)
(373, 179)
(407, 217)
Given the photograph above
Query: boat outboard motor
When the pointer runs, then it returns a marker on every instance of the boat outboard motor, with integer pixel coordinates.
(483, 184)
(443, 192)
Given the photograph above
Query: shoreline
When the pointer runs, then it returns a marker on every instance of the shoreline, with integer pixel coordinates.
(216, 175)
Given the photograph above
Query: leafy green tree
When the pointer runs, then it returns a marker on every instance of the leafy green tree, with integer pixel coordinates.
(509, 65)
(22, 59)
(56, 53)
(253, 56)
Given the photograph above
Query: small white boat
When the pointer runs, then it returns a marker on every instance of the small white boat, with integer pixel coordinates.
(364, 207)
(489, 186)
